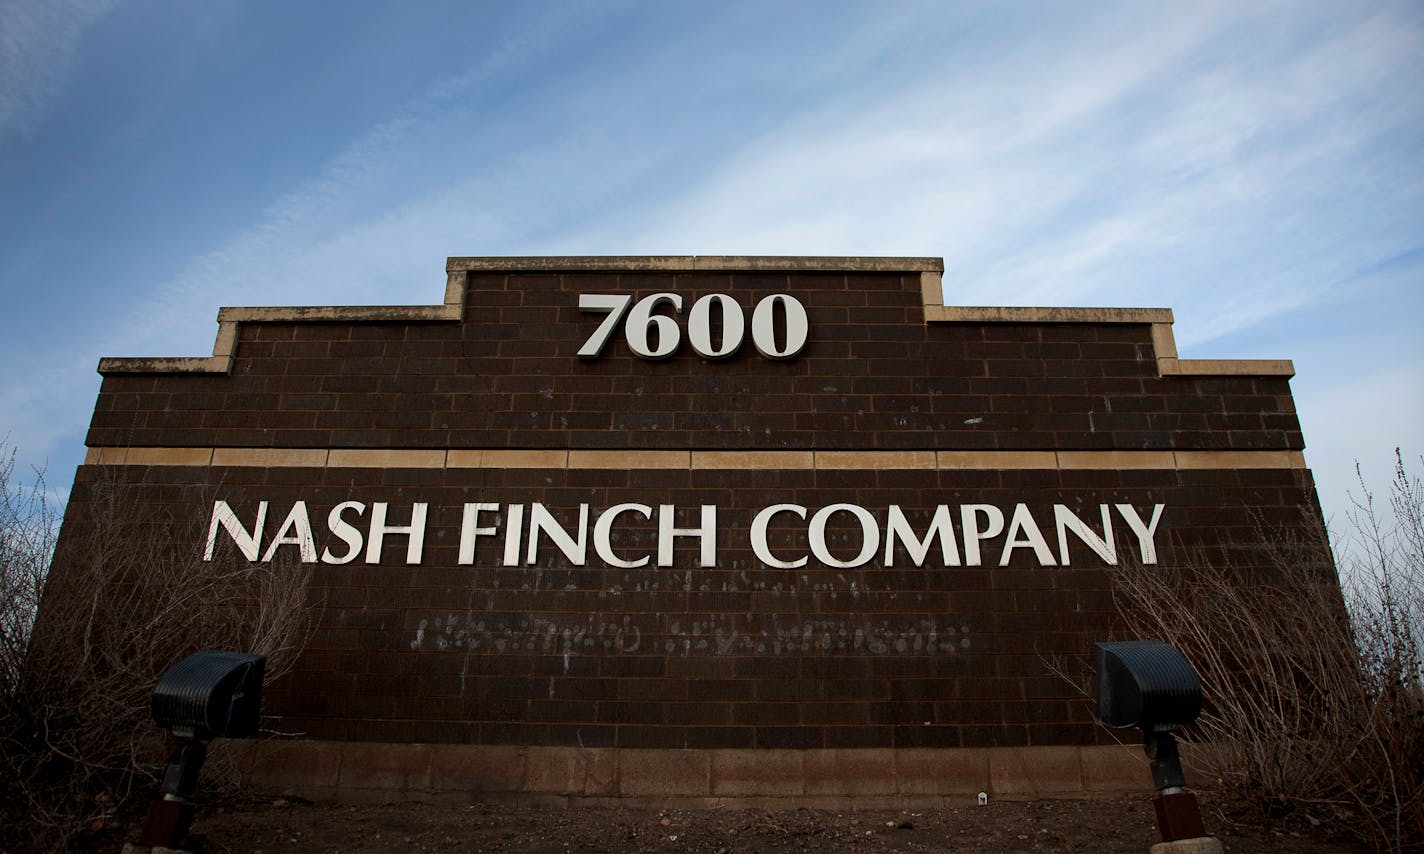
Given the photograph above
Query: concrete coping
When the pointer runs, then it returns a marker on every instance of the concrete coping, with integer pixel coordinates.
(931, 290)
(1043, 314)
(1164, 342)
(693, 264)
(339, 313)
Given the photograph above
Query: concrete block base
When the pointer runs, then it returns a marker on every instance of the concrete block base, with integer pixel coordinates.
(1198, 845)
(382, 772)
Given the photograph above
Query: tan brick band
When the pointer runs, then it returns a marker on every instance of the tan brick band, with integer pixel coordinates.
(367, 771)
(399, 458)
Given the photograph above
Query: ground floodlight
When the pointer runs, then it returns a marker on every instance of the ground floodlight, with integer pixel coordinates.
(209, 694)
(1146, 684)
(1151, 686)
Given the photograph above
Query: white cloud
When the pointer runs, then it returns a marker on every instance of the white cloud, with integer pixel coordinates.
(57, 395)
(1356, 417)
(1168, 164)
(1036, 173)
(1167, 160)
(38, 42)
(345, 236)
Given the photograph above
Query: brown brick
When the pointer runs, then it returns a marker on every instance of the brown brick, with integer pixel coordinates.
(721, 737)
(995, 406)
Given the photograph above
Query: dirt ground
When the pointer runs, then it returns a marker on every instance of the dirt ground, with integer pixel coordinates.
(1107, 825)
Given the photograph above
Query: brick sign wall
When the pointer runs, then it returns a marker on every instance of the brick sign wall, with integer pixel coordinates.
(867, 548)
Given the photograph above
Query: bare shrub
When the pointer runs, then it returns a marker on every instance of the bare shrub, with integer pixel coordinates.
(1383, 572)
(28, 525)
(1313, 698)
(129, 596)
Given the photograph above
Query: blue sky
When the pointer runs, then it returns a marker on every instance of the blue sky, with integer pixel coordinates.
(1257, 167)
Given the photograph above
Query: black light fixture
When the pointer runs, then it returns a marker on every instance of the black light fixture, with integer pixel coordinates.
(1151, 686)
(209, 694)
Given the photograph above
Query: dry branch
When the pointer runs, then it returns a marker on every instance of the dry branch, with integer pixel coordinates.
(1314, 697)
(129, 595)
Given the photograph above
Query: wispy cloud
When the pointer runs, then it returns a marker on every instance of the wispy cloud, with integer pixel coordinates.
(331, 239)
(38, 42)
(1157, 160)
(1239, 163)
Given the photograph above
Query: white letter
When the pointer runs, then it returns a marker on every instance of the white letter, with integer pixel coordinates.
(764, 326)
(641, 321)
(470, 530)
(614, 305)
(345, 530)
(302, 539)
(699, 327)
(541, 519)
(379, 529)
(706, 534)
(247, 543)
(1103, 546)
(512, 533)
(897, 527)
(869, 535)
(1144, 533)
(973, 533)
(759, 546)
(602, 535)
(1023, 521)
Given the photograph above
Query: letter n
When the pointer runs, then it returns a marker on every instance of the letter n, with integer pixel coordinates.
(248, 544)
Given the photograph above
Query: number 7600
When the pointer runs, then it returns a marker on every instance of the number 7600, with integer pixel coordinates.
(779, 325)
